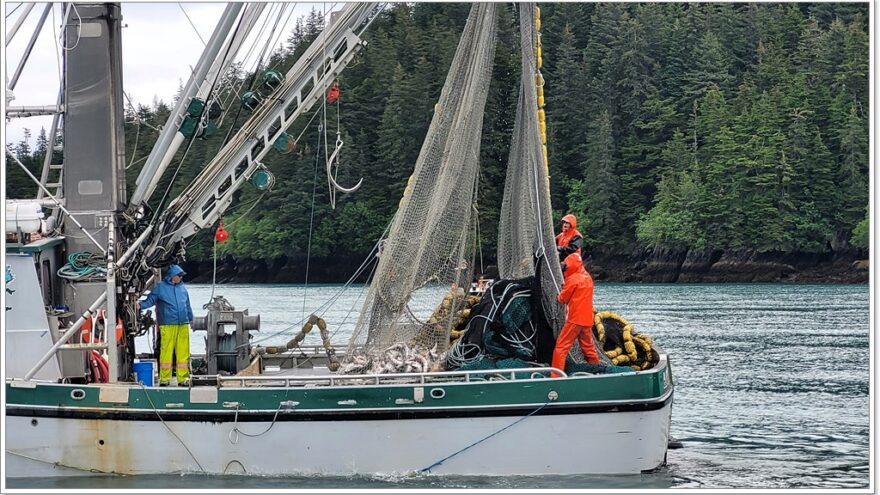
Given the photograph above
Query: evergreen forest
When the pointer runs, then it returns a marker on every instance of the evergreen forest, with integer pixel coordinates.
(670, 125)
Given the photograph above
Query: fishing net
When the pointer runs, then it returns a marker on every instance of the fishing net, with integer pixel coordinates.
(427, 255)
(503, 325)
(526, 241)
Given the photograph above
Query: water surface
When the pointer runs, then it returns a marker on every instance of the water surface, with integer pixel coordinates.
(772, 386)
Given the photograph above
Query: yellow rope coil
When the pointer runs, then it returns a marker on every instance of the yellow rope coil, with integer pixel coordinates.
(631, 350)
(637, 350)
(600, 328)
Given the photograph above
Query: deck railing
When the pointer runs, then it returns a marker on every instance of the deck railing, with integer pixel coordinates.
(386, 378)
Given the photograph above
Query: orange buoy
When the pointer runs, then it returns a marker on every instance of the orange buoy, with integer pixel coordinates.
(333, 93)
(91, 324)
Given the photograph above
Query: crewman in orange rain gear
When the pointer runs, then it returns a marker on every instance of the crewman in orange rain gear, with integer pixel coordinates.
(569, 240)
(577, 294)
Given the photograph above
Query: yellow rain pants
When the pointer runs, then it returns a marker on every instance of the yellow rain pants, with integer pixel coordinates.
(175, 340)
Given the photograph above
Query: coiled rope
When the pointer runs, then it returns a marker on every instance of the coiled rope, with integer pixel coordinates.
(84, 265)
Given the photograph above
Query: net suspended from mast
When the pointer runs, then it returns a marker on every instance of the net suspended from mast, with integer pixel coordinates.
(526, 243)
(428, 245)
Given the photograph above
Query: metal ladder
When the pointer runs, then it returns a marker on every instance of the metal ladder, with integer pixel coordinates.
(53, 173)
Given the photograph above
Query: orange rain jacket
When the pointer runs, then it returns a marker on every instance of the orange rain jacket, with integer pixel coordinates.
(570, 241)
(577, 292)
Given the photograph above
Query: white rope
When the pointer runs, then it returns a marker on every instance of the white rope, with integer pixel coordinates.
(236, 433)
(78, 26)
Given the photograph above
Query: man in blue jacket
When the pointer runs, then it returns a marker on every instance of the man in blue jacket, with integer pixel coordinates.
(174, 314)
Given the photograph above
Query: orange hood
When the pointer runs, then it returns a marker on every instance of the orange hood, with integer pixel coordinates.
(565, 237)
(574, 263)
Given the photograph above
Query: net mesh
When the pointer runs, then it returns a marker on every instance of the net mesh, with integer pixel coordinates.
(526, 243)
(428, 250)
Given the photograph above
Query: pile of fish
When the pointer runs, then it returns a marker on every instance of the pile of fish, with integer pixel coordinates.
(399, 358)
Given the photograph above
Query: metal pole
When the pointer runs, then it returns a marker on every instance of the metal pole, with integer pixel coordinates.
(69, 333)
(33, 111)
(53, 198)
(123, 260)
(153, 168)
(30, 46)
(110, 321)
(11, 33)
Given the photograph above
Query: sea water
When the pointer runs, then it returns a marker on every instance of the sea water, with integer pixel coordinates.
(772, 386)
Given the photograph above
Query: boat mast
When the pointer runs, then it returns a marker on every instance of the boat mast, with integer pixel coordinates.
(94, 142)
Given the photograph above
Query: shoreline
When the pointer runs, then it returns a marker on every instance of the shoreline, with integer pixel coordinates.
(649, 266)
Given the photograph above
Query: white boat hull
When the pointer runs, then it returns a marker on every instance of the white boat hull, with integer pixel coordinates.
(599, 443)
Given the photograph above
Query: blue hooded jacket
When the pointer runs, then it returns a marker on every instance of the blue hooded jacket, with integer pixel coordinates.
(171, 300)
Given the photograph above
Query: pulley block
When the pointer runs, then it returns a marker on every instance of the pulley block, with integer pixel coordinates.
(251, 100)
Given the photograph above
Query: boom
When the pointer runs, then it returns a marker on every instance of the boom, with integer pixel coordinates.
(205, 200)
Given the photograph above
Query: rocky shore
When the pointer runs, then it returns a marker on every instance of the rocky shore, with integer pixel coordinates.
(689, 266)
(649, 266)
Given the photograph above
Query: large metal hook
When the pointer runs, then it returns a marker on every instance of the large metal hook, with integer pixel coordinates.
(332, 179)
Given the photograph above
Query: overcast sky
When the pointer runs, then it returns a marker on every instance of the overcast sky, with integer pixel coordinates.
(159, 48)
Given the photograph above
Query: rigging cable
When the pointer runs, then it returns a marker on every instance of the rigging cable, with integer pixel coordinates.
(312, 214)
(321, 310)
(14, 9)
(441, 461)
(280, 32)
(78, 26)
(57, 48)
(214, 273)
(192, 137)
(191, 24)
(156, 410)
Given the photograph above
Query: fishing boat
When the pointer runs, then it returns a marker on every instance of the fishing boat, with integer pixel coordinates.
(405, 396)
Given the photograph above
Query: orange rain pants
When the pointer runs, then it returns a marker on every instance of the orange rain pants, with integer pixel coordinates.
(571, 332)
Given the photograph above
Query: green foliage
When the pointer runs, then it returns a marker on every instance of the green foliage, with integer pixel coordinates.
(862, 232)
(684, 125)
